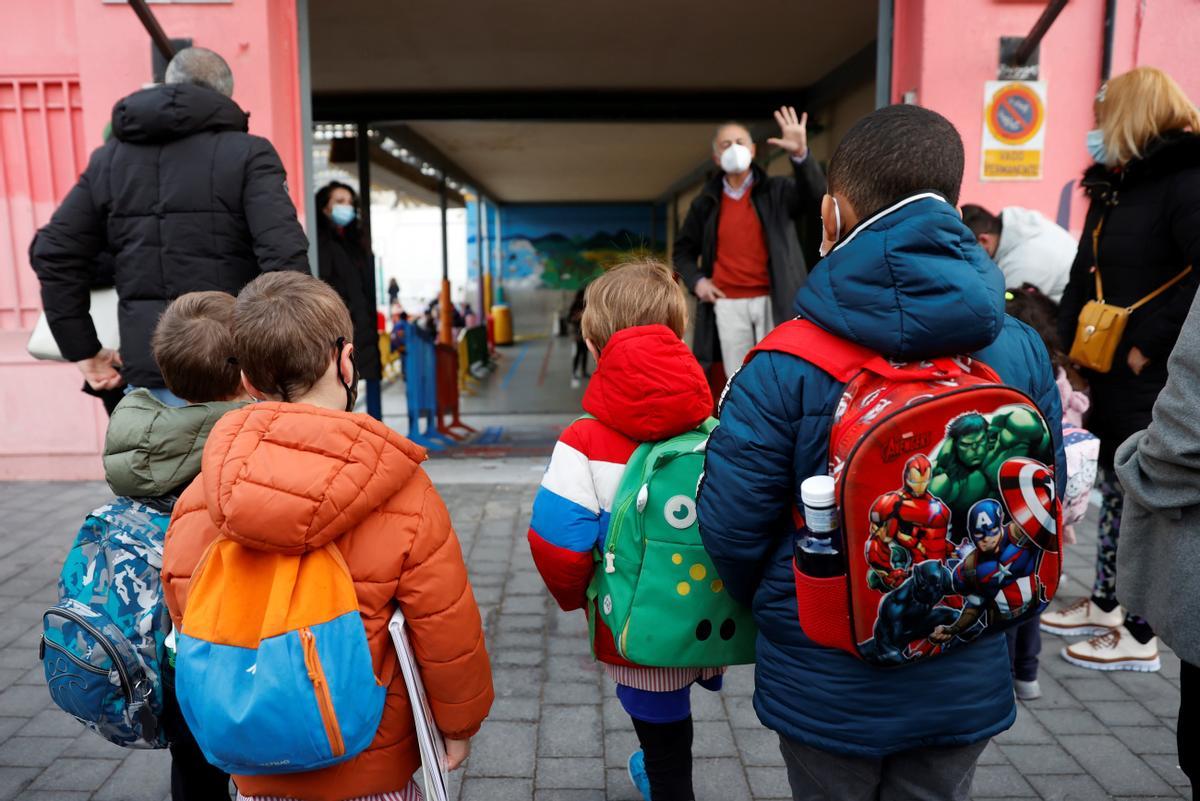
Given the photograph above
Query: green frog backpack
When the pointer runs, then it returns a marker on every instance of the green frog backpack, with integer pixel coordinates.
(655, 586)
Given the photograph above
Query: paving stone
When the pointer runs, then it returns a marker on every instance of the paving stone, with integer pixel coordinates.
(24, 700)
(524, 604)
(1068, 721)
(720, 780)
(618, 787)
(739, 680)
(570, 731)
(1146, 739)
(53, 795)
(527, 658)
(75, 774)
(53, 722)
(580, 773)
(14, 780)
(1026, 730)
(713, 738)
(571, 668)
(1040, 759)
(521, 622)
(741, 713)
(487, 595)
(618, 745)
(519, 682)
(142, 776)
(615, 716)
(529, 640)
(9, 726)
(1121, 713)
(569, 795)
(758, 747)
(496, 789)
(1078, 787)
(504, 750)
(992, 755)
(90, 745)
(769, 782)
(1003, 781)
(569, 646)
(514, 709)
(707, 705)
(32, 752)
(1094, 689)
(1113, 765)
(573, 692)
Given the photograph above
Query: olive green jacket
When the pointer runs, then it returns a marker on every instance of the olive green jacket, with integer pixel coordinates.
(153, 449)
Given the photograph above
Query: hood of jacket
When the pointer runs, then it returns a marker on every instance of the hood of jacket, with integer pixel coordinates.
(290, 477)
(910, 282)
(1019, 226)
(1172, 152)
(648, 385)
(152, 449)
(175, 111)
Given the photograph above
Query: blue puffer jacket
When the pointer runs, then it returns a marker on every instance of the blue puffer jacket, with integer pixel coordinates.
(911, 283)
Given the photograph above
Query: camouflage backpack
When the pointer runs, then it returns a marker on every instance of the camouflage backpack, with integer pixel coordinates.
(102, 643)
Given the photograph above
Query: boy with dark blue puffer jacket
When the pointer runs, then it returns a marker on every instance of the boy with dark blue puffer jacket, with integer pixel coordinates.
(905, 278)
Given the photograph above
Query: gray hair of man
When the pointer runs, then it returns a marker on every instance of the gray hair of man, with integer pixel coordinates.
(203, 67)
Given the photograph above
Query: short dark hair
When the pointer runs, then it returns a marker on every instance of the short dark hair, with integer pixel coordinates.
(193, 346)
(1030, 306)
(980, 220)
(894, 152)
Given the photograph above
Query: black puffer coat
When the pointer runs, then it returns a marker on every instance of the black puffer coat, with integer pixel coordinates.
(780, 201)
(343, 264)
(1151, 211)
(185, 200)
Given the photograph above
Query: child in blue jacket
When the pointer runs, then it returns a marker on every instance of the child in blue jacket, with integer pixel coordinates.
(904, 277)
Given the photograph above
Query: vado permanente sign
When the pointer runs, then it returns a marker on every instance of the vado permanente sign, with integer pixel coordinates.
(1014, 130)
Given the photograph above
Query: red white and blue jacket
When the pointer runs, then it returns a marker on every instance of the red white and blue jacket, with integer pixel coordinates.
(647, 387)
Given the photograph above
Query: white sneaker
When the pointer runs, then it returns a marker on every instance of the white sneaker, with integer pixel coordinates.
(1027, 690)
(576, 385)
(1115, 650)
(1082, 619)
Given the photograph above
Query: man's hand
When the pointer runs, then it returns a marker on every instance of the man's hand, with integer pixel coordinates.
(1137, 360)
(941, 634)
(457, 752)
(101, 370)
(707, 291)
(793, 132)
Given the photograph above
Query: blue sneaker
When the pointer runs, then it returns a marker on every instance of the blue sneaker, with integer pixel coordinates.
(637, 774)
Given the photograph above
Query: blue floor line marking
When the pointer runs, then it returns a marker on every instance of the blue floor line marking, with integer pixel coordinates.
(516, 363)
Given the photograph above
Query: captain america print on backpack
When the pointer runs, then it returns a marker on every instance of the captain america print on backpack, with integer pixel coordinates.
(946, 494)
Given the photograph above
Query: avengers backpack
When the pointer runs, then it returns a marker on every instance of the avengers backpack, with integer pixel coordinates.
(947, 500)
(654, 585)
(102, 644)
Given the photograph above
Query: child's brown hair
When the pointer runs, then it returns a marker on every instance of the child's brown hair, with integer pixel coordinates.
(642, 292)
(193, 345)
(286, 331)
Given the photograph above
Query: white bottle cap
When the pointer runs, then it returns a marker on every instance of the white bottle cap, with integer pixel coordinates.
(817, 491)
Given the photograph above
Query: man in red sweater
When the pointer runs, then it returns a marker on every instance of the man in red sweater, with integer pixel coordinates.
(738, 250)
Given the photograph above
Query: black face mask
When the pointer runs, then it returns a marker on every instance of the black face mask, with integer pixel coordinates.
(350, 386)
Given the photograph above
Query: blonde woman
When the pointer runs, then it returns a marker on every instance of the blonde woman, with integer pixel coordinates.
(1145, 204)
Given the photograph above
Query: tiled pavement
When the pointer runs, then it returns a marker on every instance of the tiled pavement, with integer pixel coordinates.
(556, 730)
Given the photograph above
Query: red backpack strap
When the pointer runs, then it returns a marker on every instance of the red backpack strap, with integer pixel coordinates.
(843, 359)
(838, 357)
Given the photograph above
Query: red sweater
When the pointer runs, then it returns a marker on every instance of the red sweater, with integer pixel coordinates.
(740, 269)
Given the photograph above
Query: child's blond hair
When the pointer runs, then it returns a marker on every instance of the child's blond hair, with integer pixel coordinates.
(642, 292)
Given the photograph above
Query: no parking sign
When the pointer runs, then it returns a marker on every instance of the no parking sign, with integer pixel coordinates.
(1014, 130)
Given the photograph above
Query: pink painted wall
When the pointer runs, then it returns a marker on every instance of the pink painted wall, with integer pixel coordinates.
(63, 65)
(946, 50)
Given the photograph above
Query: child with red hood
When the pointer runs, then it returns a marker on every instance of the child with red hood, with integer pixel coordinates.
(647, 387)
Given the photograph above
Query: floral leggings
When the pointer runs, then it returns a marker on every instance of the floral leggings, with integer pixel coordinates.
(1112, 503)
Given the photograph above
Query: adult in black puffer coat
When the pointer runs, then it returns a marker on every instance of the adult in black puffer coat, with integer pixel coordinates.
(184, 199)
(1146, 190)
(344, 265)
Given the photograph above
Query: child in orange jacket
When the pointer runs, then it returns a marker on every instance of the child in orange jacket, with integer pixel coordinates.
(299, 470)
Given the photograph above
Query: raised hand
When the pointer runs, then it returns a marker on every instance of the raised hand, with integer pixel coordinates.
(793, 132)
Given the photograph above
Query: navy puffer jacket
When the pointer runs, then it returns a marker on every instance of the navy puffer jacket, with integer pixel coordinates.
(910, 283)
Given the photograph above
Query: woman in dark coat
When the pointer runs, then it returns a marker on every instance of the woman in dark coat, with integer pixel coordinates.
(344, 265)
(1145, 199)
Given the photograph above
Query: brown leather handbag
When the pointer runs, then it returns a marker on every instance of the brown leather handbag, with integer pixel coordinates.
(1101, 325)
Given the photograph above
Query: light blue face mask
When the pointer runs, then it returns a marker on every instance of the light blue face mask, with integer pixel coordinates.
(342, 214)
(1095, 145)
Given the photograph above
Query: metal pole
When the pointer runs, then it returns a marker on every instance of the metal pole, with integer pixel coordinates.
(1110, 25)
(480, 230)
(445, 330)
(306, 132)
(1034, 38)
(883, 53)
(363, 148)
(150, 23)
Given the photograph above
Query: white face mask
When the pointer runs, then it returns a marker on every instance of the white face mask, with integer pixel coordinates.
(837, 224)
(736, 159)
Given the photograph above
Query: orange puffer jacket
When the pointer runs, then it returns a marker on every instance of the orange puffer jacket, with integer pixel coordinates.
(291, 477)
